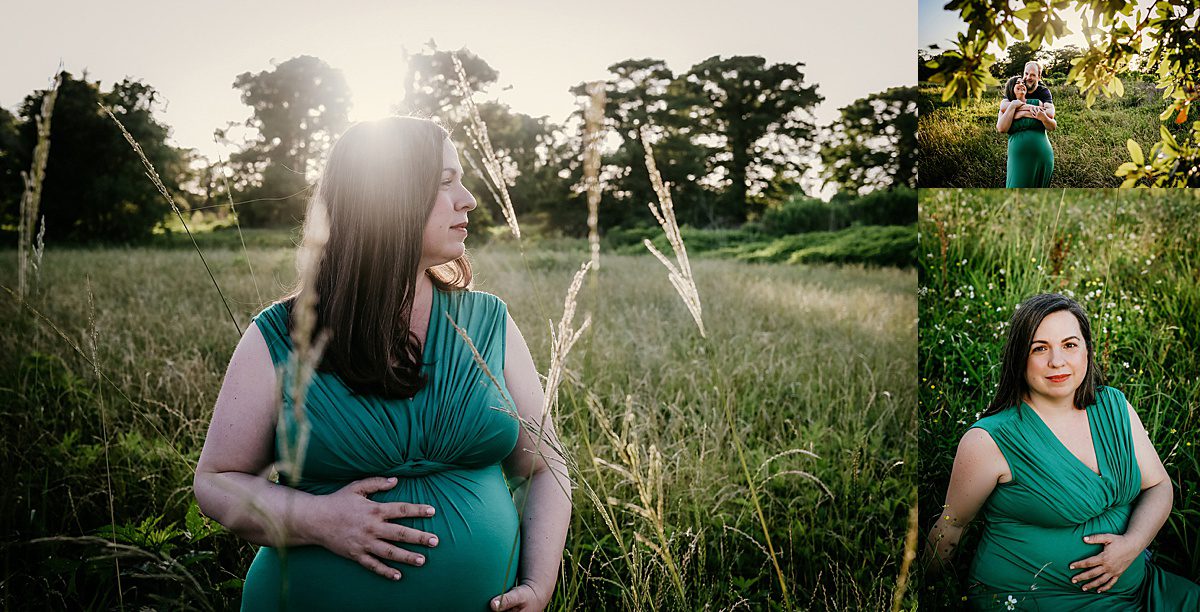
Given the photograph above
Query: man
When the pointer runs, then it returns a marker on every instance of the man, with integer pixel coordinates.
(1034, 88)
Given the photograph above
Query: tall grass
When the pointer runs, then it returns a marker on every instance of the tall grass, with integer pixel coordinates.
(817, 359)
(960, 146)
(1131, 258)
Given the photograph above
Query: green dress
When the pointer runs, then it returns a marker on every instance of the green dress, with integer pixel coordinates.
(1035, 523)
(444, 445)
(1030, 157)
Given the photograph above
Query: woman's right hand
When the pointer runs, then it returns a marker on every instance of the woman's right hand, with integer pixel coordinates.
(349, 524)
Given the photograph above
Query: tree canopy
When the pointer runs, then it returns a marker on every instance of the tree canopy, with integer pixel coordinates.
(95, 186)
(297, 108)
(873, 145)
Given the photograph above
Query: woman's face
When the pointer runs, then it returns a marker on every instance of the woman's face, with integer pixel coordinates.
(1058, 358)
(1019, 90)
(447, 226)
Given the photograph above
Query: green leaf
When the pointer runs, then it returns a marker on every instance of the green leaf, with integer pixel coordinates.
(1126, 168)
(1135, 152)
(1118, 86)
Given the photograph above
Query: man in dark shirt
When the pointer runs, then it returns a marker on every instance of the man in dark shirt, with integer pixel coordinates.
(1035, 89)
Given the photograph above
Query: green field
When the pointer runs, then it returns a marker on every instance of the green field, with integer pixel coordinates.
(806, 358)
(1131, 258)
(960, 146)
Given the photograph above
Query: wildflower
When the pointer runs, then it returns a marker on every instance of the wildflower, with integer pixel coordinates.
(1010, 603)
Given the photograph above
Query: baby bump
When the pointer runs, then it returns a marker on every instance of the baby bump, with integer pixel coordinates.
(476, 557)
(1030, 144)
(1023, 558)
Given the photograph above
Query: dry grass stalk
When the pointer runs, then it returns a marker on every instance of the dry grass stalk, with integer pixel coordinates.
(112, 515)
(153, 174)
(32, 196)
(477, 131)
(237, 223)
(642, 469)
(562, 340)
(681, 274)
(593, 134)
(910, 553)
(306, 351)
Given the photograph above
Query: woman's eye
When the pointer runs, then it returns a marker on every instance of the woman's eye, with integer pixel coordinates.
(1071, 345)
(1038, 348)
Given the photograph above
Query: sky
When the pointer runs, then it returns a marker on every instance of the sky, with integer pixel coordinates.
(192, 55)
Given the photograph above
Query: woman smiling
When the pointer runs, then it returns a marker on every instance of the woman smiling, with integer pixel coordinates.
(1070, 485)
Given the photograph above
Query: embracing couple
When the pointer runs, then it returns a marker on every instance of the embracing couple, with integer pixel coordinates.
(1026, 114)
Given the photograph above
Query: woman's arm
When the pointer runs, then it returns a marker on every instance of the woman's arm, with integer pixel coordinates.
(978, 467)
(547, 511)
(1007, 110)
(231, 485)
(1046, 118)
(1153, 508)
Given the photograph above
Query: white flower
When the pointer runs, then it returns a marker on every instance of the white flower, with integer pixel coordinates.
(1010, 603)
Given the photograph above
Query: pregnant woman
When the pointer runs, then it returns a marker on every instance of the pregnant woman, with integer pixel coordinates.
(1071, 488)
(1030, 157)
(401, 499)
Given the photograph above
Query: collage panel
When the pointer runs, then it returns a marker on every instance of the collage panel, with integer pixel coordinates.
(458, 306)
(1072, 93)
(1059, 399)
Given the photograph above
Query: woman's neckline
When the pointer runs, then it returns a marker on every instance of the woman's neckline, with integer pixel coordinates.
(1099, 471)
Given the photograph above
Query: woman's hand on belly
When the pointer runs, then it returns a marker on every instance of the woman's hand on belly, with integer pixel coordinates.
(1104, 569)
(525, 597)
(348, 524)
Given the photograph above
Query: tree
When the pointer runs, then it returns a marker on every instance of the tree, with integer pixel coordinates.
(646, 93)
(11, 157)
(1058, 62)
(95, 186)
(1019, 54)
(756, 117)
(1116, 33)
(532, 151)
(874, 143)
(431, 85)
(298, 108)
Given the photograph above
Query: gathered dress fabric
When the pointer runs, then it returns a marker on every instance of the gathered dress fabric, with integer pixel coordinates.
(444, 446)
(1030, 156)
(1034, 524)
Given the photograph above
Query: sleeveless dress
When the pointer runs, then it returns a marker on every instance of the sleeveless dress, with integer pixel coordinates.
(1030, 157)
(444, 446)
(1035, 523)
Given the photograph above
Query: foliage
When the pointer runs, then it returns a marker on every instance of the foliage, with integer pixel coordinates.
(758, 116)
(646, 93)
(1129, 258)
(873, 145)
(801, 214)
(1116, 34)
(94, 188)
(297, 108)
(1019, 54)
(859, 244)
(533, 151)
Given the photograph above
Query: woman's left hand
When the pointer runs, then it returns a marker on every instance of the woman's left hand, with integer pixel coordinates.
(1106, 567)
(523, 597)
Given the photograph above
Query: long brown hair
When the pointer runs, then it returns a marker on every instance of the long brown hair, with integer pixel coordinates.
(1024, 323)
(378, 187)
